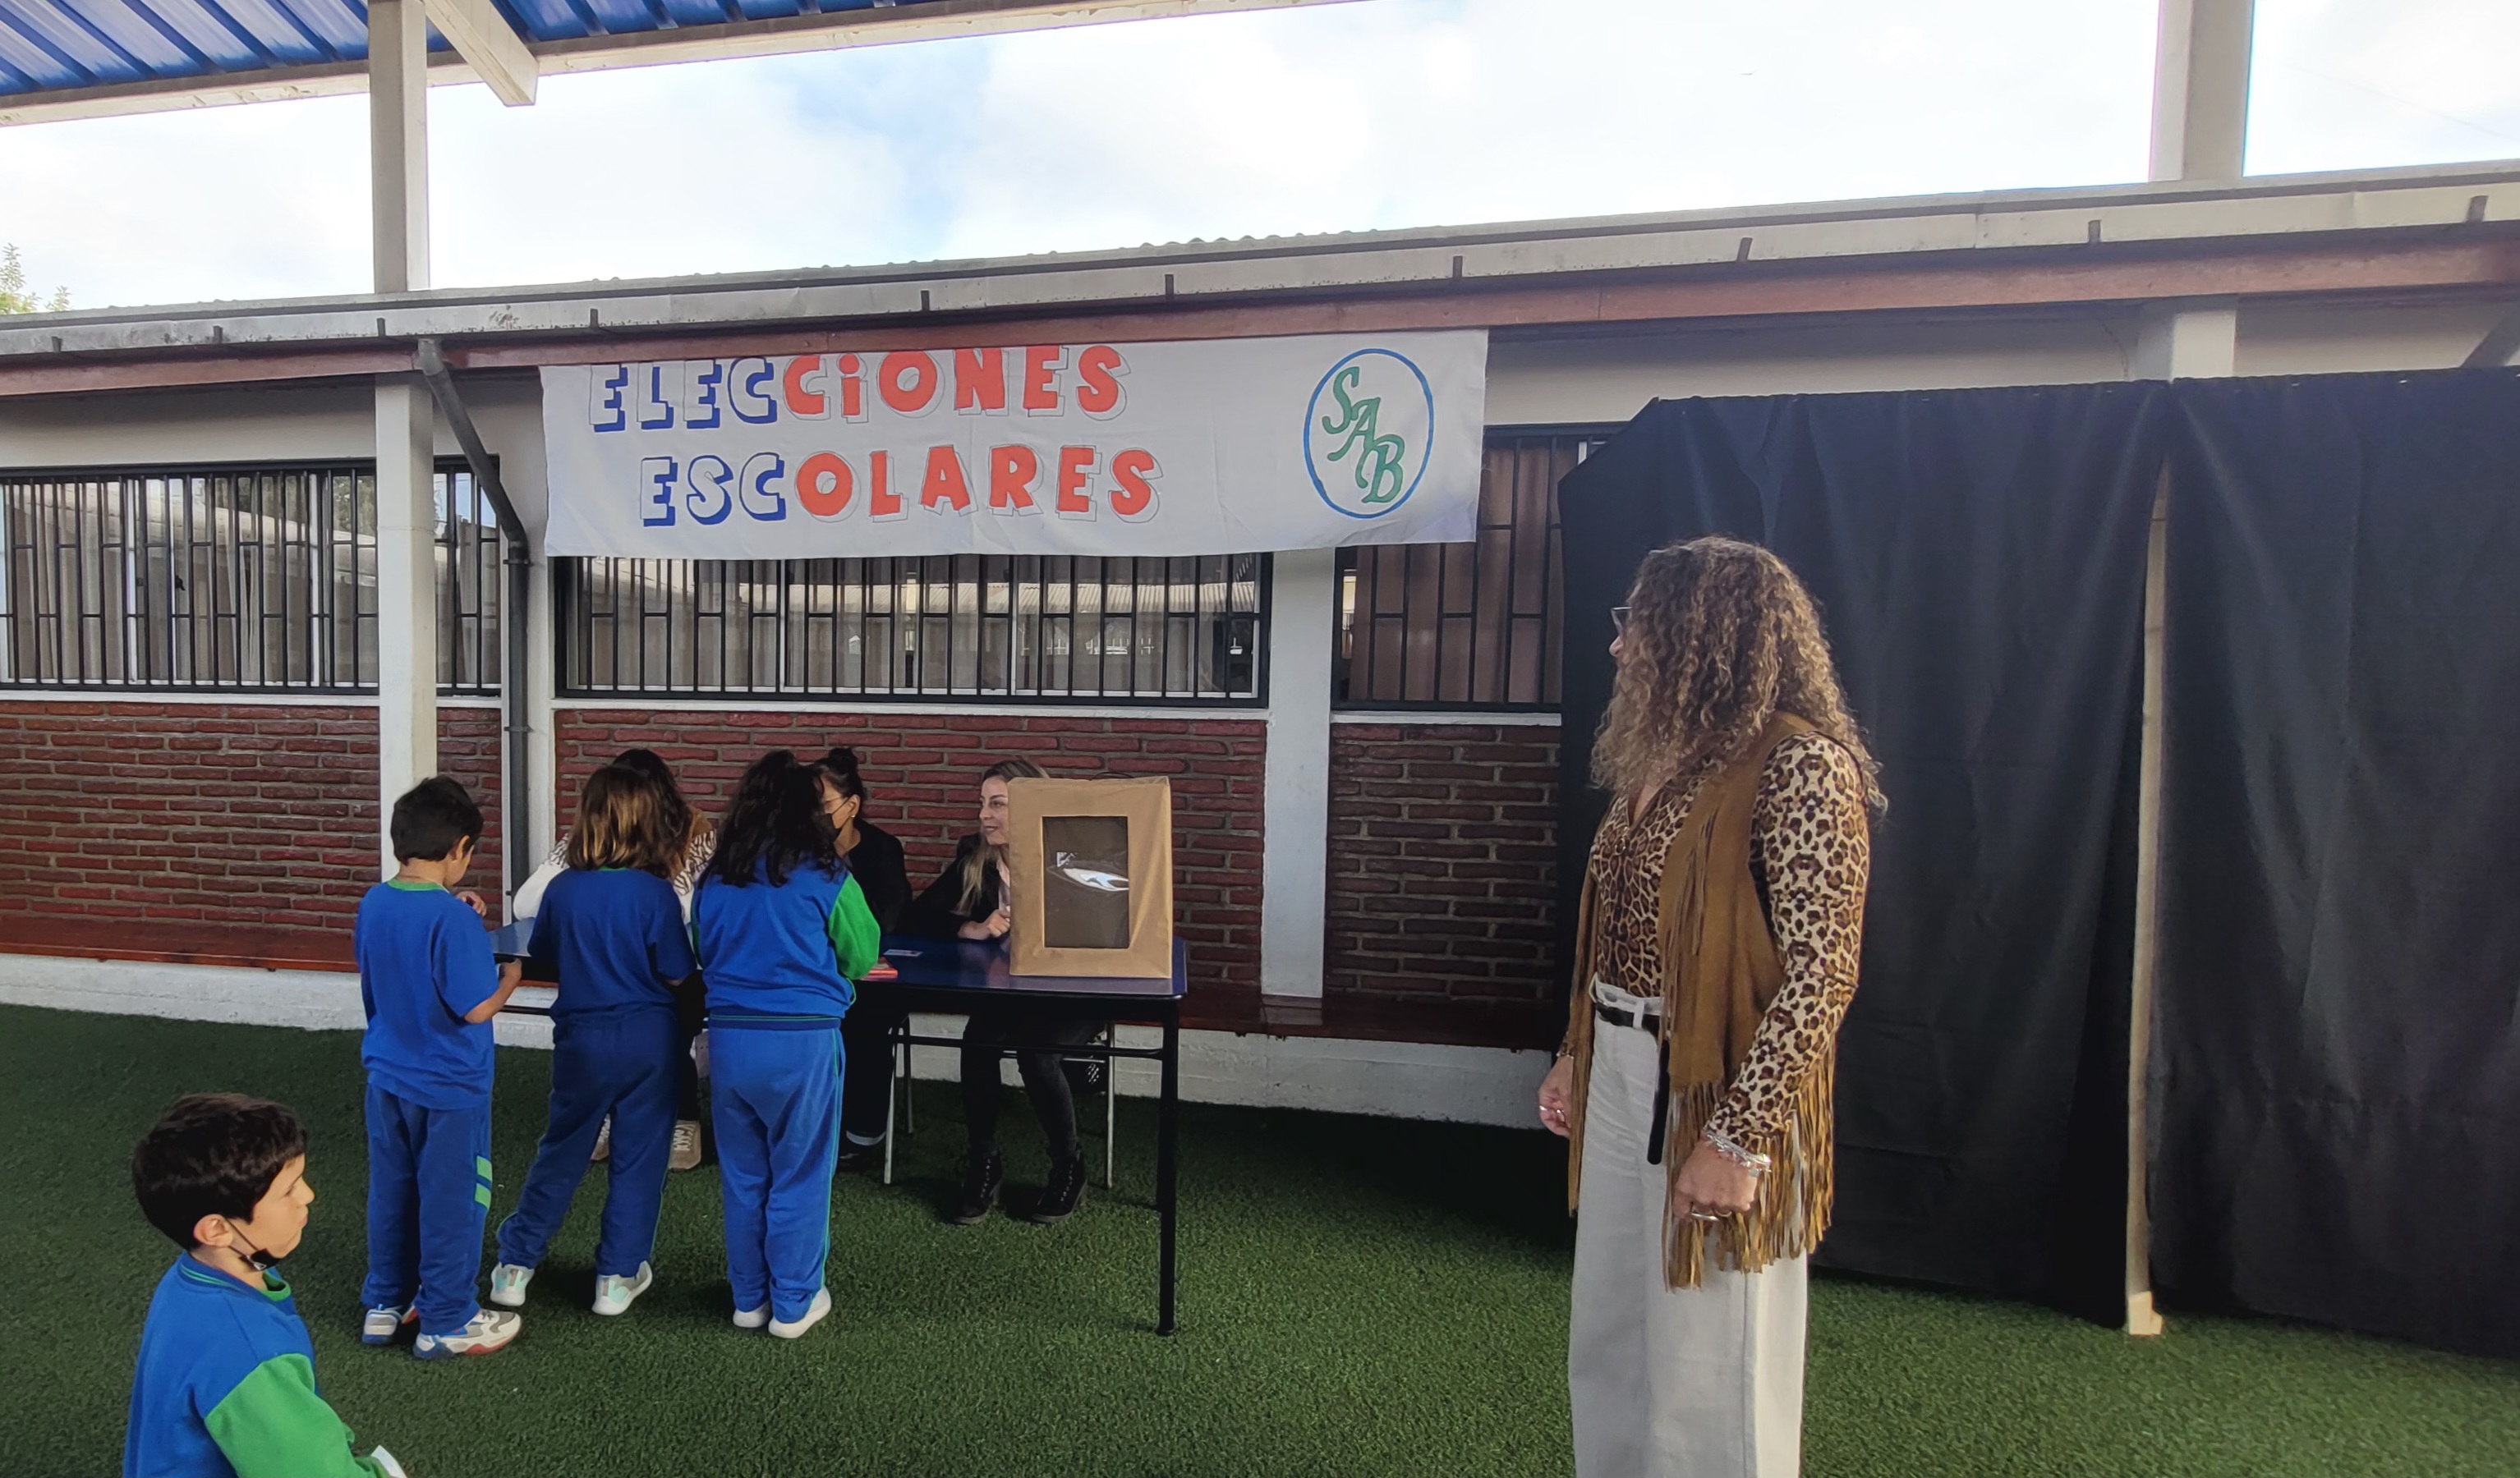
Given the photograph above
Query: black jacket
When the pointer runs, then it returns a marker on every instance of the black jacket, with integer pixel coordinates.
(882, 875)
(939, 913)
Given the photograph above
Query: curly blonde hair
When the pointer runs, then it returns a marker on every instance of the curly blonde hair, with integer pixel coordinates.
(1720, 637)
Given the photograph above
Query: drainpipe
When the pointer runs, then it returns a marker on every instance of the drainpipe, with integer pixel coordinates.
(515, 614)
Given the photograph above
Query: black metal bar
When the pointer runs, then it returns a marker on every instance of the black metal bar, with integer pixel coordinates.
(1167, 1163)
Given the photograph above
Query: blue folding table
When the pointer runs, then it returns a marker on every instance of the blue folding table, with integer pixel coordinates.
(956, 977)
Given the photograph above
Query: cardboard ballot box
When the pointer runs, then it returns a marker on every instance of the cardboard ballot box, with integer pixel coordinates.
(1092, 872)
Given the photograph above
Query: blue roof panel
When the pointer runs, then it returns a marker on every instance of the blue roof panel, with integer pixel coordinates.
(55, 45)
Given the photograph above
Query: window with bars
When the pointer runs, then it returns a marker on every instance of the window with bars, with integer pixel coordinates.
(1014, 627)
(1465, 626)
(233, 579)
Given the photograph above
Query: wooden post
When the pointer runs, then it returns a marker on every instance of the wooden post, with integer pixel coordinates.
(2141, 1318)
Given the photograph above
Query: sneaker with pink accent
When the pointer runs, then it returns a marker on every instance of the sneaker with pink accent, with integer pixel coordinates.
(488, 1333)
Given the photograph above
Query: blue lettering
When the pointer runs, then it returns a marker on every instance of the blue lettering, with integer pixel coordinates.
(704, 398)
(760, 500)
(611, 384)
(657, 494)
(746, 384)
(657, 410)
(708, 499)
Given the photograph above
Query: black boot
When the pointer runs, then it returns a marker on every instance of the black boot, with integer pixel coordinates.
(1060, 1196)
(980, 1185)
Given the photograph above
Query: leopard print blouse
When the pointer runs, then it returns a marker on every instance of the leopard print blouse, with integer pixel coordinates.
(1811, 854)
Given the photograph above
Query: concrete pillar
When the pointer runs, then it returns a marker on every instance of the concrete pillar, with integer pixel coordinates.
(406, 416)
(2200, 89)
(1295, 808)
(2187, 339)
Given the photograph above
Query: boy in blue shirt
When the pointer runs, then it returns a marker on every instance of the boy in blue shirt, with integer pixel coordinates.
(225, 1382)
(431, 986)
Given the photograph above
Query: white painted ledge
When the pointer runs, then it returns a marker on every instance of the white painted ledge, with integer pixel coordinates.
(1407, 1080)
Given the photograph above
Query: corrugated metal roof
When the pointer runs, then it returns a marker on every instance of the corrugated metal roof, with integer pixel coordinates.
(54, 45)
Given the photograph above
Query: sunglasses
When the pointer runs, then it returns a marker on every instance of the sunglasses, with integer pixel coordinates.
(1618, 620)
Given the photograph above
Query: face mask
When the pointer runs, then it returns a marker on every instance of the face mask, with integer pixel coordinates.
(259, 1260)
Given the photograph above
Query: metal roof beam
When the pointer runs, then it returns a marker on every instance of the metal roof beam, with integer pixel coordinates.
(930, 20)
(483, 37)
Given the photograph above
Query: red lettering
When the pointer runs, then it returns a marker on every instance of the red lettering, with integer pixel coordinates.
(881, 500)
(1040, 369)
(1075, 465)
(823, 484)
(907, 380)
(945, 482)
(1011, 469)
(1097, 392)
(852, 389)
(802, 401)
(980, 379)
(1134, 470)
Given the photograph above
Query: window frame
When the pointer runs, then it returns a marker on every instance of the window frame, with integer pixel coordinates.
(452, 619)
(1590, 436)
(567, 621)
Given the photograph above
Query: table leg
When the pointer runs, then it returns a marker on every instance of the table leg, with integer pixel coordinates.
(1168, 1111)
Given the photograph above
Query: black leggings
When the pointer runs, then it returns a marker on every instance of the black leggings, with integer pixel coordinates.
(691, 1012)
(984, 1044)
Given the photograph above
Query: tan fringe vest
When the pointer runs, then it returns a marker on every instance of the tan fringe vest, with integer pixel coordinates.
(1720, 972)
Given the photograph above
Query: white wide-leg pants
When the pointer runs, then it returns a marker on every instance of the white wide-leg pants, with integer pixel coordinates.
(1703, 1382)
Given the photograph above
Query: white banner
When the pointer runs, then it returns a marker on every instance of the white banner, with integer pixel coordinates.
(1218, 446)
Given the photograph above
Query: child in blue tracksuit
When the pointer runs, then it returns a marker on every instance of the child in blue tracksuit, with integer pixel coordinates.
(614, 926)
(782, 930)
(431, 986)
(225, 1383)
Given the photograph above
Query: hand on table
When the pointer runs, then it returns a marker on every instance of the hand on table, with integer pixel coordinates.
(994, 926)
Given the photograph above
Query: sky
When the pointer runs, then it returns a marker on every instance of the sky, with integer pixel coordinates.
(1336, 117)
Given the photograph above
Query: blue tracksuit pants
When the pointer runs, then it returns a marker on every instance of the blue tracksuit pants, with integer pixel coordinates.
(622, 1063)
(777, 1099)
(428, 1192)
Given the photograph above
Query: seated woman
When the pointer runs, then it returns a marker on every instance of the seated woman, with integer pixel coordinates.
(968, 901)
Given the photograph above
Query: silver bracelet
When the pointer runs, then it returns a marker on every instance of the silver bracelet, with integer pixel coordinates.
(1749, 1160)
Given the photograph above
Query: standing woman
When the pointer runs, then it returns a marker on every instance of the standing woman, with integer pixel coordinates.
(1715, 955)
(783, 933)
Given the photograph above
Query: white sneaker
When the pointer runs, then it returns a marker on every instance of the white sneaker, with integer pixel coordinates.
(508, 1286)
(604, 1141)
(613, 1294)
(686, 1153)
(487, 1333)
(814, 1313)
(380, 1325)
(752, 1319)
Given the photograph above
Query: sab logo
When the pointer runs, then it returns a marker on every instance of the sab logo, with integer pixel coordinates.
(1367, 431)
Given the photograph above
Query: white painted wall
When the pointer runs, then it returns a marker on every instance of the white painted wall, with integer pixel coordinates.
(1391, 1079)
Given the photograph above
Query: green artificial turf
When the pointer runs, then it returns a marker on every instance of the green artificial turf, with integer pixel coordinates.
(1359, 1296)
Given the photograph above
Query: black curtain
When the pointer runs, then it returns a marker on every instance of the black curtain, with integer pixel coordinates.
(2338, 1059)
(1979, 559)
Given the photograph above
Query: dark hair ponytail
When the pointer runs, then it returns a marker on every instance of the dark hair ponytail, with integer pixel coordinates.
(775, 824)
(840, 769)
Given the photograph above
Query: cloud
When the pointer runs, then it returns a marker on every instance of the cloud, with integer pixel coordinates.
(1381, 114)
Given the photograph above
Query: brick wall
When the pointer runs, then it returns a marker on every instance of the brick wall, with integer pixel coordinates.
(922, 772)
(1443, 862)
(215, 813)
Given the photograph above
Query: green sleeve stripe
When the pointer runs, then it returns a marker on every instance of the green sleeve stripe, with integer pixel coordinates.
(272, 1425)
(857, 940)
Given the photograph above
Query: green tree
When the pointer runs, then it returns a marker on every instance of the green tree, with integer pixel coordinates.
(16, 297)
